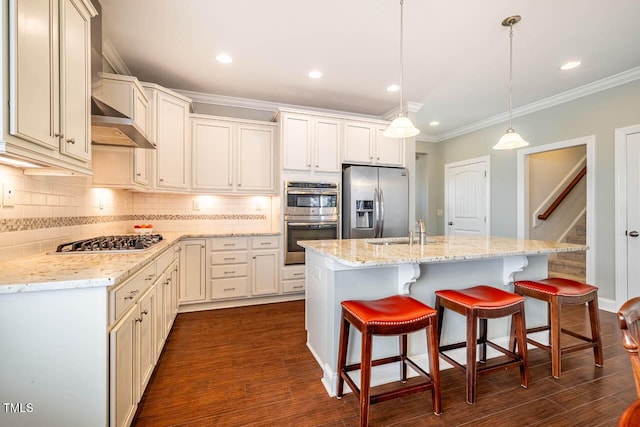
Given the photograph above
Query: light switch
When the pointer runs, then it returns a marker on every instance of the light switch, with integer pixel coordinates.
(8, 196)
(196, 205)
(439, 212)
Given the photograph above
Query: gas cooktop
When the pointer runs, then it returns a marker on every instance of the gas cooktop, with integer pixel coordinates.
(111, 244)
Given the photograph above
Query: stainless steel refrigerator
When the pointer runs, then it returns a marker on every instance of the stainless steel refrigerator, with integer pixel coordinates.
(375, 202)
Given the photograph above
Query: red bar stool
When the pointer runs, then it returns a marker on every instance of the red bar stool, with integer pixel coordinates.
(395, 315)
(557, 292)
(482, 303)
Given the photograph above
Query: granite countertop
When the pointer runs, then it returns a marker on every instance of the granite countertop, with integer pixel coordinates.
(365, 252)
(46, 272)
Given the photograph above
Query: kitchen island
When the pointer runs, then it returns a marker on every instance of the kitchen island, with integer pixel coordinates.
(338, 270)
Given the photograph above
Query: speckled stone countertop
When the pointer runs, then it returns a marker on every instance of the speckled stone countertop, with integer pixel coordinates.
(67, 271)
(364, 252)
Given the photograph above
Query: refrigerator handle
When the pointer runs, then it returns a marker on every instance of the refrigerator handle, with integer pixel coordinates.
(381, 213)
(376, 212)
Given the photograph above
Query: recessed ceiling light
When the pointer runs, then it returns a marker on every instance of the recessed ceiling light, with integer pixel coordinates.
(393, 88)
(315, 74)
(224, 58)
(434, 123)
(570, 65)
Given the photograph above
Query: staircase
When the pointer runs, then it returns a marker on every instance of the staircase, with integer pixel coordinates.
(571, 265)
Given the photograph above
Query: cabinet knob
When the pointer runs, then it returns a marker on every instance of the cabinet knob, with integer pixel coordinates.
(138, 174)
(71, 140)
(370, 157)
(161, 179)
(58, 135)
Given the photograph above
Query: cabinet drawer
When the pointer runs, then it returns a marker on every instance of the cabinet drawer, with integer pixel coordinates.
(218, 258)
(126, 295)
(229, 243)
(231, 270)
(291, 273)
(291, 286)
(165, 260)
(230, 288)
(266, 242)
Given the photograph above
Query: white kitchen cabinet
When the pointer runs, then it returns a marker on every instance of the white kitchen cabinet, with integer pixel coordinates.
(169, 130)
(49, 82)
(293, 279)
(123, 370)
(310, 143)
(170, 285)
(364, 143)
(145, 336)
(123, 167)
(229, 268)
(264, 273)
(192, 271)
(232, 156)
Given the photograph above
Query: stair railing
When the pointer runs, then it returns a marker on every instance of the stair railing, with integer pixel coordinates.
(552, 207)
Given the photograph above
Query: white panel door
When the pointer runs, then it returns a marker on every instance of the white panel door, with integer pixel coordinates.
(212, 155)
(327, 145)
(264, 274)
(358, 142)
(296, 142)
(467, 197)
(172, 117)
(633, 215)
(389, 151)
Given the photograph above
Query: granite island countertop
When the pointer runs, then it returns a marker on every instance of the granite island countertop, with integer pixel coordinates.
(374, 252)
(47, 271)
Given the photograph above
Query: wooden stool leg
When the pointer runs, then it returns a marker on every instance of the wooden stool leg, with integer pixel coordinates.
(365, 378)
(434, 368)
(472, 340)
(595, 331)
(518, 320)
(342, 354)
(556, 351)
(403, 357)
(483, 340)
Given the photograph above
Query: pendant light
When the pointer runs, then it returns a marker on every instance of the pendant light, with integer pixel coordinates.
(511, 139)
(401, 126)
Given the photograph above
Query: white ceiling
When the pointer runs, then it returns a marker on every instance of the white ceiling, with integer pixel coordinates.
(456, 54)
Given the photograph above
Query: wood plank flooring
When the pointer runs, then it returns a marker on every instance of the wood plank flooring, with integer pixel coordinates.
(249, 366)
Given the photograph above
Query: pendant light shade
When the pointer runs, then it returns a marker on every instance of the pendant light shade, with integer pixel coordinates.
(511, 139)
(401, 126)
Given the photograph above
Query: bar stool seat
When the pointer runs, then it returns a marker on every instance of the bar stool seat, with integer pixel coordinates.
(394, 315)
(481, 303)
(557, 292)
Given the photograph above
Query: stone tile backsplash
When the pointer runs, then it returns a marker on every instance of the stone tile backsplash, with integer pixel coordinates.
(50, 210)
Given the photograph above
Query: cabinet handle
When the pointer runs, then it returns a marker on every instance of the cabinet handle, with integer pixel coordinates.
(59, 135)
(138, 174)
(229, 244)
(230, 259)
(229, 289)
(168, 279)
(230, 272)
(265, 243)
(298, 287)
(139, 319)
(298, 274)
(132, 294)
(71, 140)
(144, 313)
(150, 277)
(161, 179)
(377, 158)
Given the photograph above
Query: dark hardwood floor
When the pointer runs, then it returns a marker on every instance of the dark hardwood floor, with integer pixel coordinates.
(250, 367)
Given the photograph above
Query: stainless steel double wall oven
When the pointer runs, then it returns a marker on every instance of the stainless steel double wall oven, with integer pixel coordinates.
(312, 212)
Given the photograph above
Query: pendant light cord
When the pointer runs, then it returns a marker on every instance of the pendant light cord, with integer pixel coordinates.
(510, 71)
(401, 57)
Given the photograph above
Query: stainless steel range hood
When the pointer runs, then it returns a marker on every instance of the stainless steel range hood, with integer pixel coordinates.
(110, 127)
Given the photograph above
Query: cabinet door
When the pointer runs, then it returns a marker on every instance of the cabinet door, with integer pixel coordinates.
(34, 83)
(326, 150)
(168, 299)
(174, 281)
(122, 370)
(140, 174)
(192, 271)
(255, 171)
(75, 83)
(264, 273)
(158, 316)
(389, 151)
(172, 115)
(146, 339)
(212, 159)
(358, 142)
(296, 142)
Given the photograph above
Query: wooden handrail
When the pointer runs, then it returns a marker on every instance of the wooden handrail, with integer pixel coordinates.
(562, 195)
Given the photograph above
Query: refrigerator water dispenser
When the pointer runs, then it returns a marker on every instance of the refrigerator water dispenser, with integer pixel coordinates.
(364, 213)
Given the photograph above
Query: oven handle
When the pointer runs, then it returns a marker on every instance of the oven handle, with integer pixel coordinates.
(314, 192)
(303, 224)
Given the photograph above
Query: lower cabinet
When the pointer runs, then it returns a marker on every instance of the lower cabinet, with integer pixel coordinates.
(293, 279)
(144, 308)
(193, 271)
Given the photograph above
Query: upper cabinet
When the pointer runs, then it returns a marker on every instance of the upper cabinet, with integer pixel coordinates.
(310, 143)
(232, 156)
(169, 129)
(365, 143)
(50, 82)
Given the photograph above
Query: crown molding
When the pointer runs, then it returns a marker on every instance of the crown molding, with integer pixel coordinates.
(410, 107)
(561, 98)
(114, 60)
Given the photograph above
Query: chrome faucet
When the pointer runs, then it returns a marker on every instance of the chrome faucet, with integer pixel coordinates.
(423, 232)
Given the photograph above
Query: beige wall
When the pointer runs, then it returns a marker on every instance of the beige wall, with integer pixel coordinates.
(598, 114)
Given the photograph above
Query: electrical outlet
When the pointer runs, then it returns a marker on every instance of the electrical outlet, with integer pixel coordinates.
(8, 196)
(196, 205)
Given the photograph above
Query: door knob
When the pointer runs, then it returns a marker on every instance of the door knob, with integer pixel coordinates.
(450, 223)
(633, 233)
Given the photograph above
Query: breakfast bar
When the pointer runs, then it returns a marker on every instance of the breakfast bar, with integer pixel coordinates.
(338, 270)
